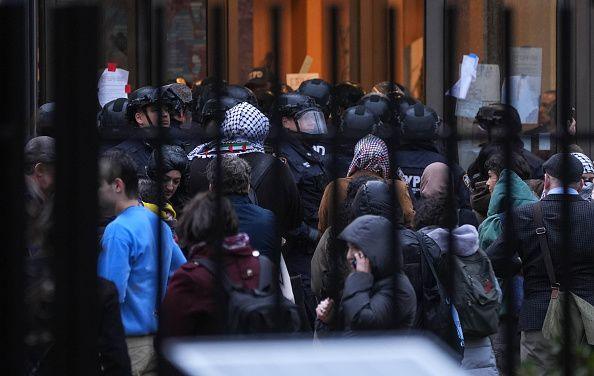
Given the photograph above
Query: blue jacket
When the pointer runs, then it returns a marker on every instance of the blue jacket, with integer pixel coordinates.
(259, 224)
(129, 258)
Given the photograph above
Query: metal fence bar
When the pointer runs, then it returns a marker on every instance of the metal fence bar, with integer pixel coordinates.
(75, 241)
(12, 73)
(564, 41)
(509, 229)
(158, 64)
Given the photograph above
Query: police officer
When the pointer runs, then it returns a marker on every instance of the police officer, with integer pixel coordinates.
(176, 99)
(142, 113)
(320, 91)
(392, 90)
(419, 130)
(242, 94)
(112, 124)
(303, 124)
(503, 126)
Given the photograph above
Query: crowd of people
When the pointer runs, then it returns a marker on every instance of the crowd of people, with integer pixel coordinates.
(255, 209)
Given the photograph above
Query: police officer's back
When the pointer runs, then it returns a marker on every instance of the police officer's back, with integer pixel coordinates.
(419, 130)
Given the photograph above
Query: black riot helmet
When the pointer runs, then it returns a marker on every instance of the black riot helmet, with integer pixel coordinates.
(419, 123)
(380, 105)
(176, 97)
(497, 118)
(344, 95)
(215, 109)
(113, 114)
(241, 93)
(308, 117)
(139, 99)
(358, 122)
(202, 93)
(319, 90)
(392, 90)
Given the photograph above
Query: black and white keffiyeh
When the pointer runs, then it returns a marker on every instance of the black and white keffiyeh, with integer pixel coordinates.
(371, 154)
(244, 130)
(586, 162)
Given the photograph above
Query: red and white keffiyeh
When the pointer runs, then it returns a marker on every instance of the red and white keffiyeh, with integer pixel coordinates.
(371, 154)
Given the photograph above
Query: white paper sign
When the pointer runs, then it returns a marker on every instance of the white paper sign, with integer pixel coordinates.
(526, 61)
(112, 85)
(482, 92)
(467, 76)
(295, 79)
(524, 96)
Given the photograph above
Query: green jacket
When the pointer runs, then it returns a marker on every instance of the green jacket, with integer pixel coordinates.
(521, 194)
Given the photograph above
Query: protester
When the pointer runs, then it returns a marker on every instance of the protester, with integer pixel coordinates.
(572, 256)
(172, 182)
(371, 158)
(463, 242)
(131, 257)
(258, 223)
(243, 133)
(368, 300)
(436, 182)
(191, 306)
(587, 176)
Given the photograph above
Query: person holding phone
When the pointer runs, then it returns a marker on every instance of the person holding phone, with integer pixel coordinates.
(376, 295)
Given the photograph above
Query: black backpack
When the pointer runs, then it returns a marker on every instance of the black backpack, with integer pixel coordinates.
(435, 303)
(257, 311)
(475, 295)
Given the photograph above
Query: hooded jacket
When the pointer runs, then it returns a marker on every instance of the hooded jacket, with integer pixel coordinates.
(520, 194)
(383, 299)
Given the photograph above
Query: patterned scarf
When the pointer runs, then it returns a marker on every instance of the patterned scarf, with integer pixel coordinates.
(371, 154)
(244, 130)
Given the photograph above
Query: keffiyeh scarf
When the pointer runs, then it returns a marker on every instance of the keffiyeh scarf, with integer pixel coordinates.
(371, 154)
(244, 130)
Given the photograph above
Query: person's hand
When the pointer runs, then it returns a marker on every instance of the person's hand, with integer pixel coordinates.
(363, 264)
(325, 310)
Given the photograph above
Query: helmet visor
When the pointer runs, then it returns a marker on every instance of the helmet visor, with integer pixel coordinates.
(311, 121)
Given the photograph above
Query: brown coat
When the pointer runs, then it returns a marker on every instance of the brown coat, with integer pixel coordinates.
(342, 185)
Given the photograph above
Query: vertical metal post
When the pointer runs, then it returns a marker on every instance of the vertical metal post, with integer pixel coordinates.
(75, 233)
(508, 231)
(12, 76)
(433, 55)
(564, 40)
(392, 44)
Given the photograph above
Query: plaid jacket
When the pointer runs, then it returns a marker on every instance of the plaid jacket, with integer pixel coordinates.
(577, 253)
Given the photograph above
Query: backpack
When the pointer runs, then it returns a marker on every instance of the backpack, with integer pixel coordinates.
(475, 294)
(437, 313)
(260, 310)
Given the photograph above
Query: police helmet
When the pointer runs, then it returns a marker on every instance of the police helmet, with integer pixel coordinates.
(113, 114)
(241, 93)
(177, 97)
(317, 89)
(344, 95)
(358, 122)
(380, 105)
(308, 117)
(499, 115)
(391, 89)
(419, 123)
(139, 99)
(217, 107)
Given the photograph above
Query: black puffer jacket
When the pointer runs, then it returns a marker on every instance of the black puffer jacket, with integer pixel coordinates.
(383, 299)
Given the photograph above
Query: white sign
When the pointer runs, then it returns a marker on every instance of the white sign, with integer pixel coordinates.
(112, 85)
(524, 96)
(295, 79)
(526, 61)
(483, 91)
(467, 76)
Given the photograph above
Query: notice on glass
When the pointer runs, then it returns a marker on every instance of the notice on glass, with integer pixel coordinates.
(526, 61)
(524, 94)
(482, 91)
(467, 76)
(112, 85)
